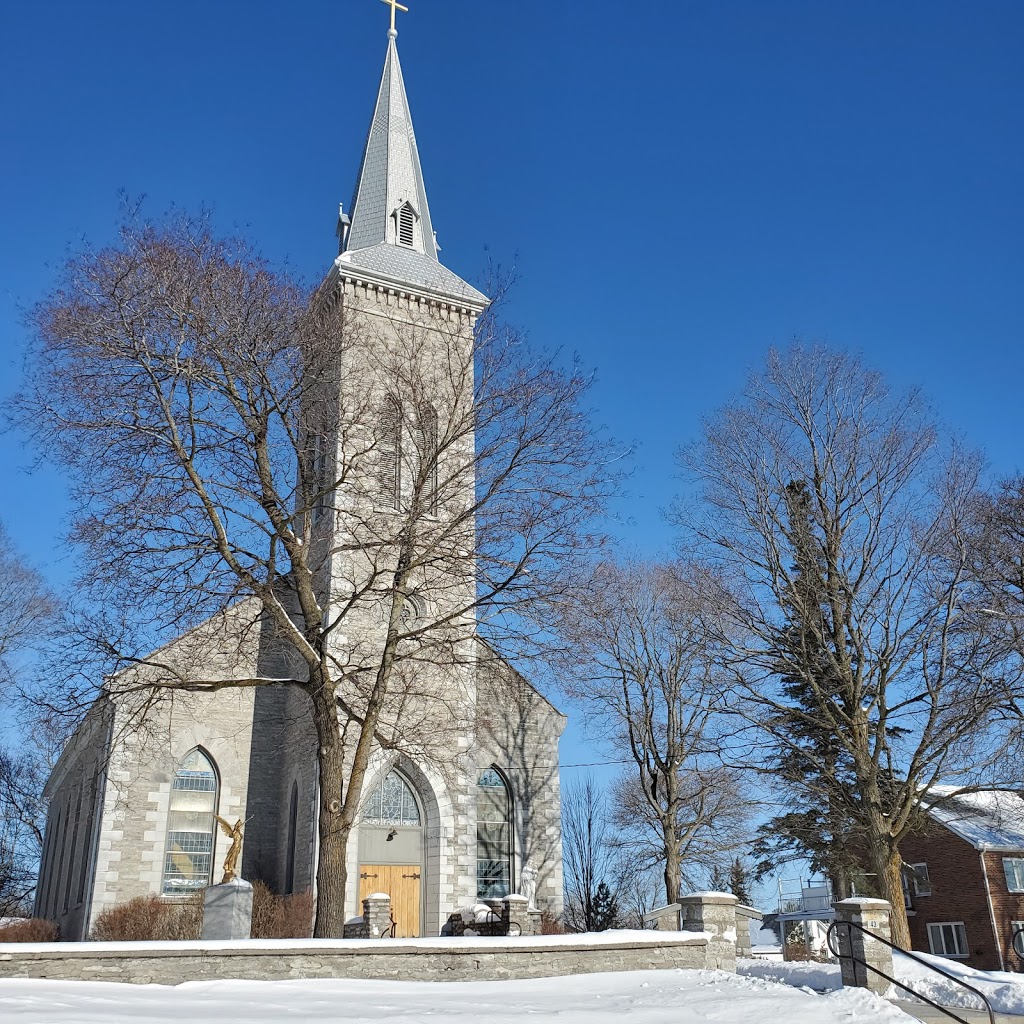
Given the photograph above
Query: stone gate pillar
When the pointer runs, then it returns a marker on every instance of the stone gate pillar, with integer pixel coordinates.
(713, 912)
(857, 948)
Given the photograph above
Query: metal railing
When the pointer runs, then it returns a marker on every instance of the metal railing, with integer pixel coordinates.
(850, 926)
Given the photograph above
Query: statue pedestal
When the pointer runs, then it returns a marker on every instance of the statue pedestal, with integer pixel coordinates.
(227, 910)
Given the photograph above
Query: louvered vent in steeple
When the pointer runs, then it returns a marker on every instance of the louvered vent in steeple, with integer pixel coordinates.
(406, 226)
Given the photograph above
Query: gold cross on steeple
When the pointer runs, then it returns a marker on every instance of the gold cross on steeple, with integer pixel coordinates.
(395, 6)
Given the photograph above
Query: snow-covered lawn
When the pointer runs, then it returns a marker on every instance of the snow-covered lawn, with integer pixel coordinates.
(1004, 991)
(639, 997)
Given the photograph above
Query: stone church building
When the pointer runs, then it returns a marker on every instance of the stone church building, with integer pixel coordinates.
(132, 810)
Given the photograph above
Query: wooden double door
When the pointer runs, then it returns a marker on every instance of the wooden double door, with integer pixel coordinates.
(402, 883)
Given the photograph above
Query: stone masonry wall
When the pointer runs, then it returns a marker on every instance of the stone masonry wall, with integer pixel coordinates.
(450, 960)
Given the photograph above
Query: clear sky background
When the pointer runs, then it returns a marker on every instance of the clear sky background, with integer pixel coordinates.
(683, 184)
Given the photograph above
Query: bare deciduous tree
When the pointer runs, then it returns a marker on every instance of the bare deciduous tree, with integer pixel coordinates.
(647, 675)
(587, 853)
(232, 437)
(891, 667)
(27, 613)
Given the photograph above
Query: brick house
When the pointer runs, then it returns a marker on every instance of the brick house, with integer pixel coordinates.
(965, 879)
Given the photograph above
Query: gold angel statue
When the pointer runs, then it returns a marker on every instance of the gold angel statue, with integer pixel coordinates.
(234, 833)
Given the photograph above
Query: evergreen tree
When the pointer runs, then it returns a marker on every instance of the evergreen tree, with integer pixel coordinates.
(739, 882)
(811, 758)
(719, 881)
(606, 909)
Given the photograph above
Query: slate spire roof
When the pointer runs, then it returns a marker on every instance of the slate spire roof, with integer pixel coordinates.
(391, 233)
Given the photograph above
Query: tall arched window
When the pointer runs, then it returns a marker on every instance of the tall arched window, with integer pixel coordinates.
(426, 455)
(188, 861)
(493, 835)
(392, 802)
(293, 839)
(389, 444)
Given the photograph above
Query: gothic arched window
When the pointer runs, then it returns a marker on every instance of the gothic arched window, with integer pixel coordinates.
(188, 861)
(493, 835)
(389, 444)
(392, 802)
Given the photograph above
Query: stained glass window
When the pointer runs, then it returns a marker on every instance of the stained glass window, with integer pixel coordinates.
(493, 836)
(188, 861)
(392, 802)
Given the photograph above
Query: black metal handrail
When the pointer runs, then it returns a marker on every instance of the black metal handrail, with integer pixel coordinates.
(850, 925)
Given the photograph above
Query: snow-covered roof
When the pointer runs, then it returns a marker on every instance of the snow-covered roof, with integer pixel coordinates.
(991, 819)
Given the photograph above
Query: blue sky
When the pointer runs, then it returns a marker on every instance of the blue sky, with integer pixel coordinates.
(684, 184)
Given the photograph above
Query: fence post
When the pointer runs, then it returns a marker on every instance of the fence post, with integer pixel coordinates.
(857, 948)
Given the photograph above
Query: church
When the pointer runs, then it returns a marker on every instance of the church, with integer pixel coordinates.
(470, 811)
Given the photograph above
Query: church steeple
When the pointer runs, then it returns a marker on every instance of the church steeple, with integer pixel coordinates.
(390, 203)
(389, 237)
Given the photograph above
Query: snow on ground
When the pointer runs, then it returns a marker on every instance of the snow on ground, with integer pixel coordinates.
(1003, 990)
(636, 997)
(798, 973)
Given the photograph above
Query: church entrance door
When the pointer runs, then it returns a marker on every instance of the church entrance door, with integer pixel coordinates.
(402, 883)
(391, 854)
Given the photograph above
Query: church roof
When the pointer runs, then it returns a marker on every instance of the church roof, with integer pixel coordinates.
(391, 234)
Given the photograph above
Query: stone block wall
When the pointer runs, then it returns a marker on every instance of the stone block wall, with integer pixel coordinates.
(398, 959)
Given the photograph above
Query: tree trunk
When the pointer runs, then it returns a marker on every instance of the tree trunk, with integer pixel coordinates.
(888, 866)
(672, 866)
(333, 830)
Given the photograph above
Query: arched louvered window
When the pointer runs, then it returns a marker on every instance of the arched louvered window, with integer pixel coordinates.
(493, 835)
(318, 475)
(188, 861)
(389, 445)
(406, 225)
(426, 456)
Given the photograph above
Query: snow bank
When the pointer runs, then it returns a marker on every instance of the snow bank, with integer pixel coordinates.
(640, 997)
(1003, 990)
(805, 974)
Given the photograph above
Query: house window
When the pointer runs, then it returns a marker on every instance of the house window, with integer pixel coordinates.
(188, 861)
(392, 802)
(1013, 868)
(1017, 938)
(948, 939)
(493, 836)
(920, 883)
(406, 225)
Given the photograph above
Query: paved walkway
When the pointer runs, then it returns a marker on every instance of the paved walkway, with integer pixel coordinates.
(926, 1013)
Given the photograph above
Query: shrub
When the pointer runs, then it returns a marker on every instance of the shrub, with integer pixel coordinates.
(550, 924)
(280, 917)
(33, 929)
(150, 919)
